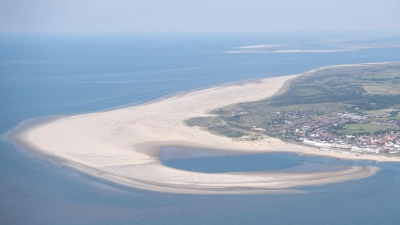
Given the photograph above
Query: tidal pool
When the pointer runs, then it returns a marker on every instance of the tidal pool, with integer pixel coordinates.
(214, 161)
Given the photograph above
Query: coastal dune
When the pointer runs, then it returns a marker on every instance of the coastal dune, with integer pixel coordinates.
(123, 145)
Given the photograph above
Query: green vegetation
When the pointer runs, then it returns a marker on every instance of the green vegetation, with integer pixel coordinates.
(214, 125)
(225, 131)
(383, 89)
(359, 90)
(388, 74)
(381, 111)
(362, 129)
(307, 92)
(198, 121)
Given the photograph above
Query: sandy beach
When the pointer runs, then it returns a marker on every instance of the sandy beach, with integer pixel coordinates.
(123, 145)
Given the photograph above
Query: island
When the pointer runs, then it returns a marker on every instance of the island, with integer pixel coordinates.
(280, 114)
(351, 108)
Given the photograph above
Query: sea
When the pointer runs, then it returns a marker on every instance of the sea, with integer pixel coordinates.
(48, 75)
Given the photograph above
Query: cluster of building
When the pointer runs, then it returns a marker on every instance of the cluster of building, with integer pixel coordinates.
(388, 141)
(319, 131)
(387, 123)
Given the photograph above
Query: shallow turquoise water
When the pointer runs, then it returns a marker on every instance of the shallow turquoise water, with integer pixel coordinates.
(239, 163)
(214, 161)
(41, 76)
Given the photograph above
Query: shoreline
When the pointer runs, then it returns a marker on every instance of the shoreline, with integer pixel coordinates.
(123, 144)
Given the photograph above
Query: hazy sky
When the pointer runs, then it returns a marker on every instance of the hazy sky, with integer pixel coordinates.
(129, 16)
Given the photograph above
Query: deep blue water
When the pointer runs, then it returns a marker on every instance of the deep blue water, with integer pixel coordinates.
(42, 76)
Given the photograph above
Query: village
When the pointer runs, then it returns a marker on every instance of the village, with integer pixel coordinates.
(368, 133)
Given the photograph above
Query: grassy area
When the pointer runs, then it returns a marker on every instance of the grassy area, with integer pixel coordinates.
(324, 92)
(384, 89)
(383, 75)
(384, 119)
(381, 111)
(378, 119)
(225, 131)
(307, 91)
(362, 129)
(198, 121)
(214, 125)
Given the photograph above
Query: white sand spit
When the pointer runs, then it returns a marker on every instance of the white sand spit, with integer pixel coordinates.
(122, 145)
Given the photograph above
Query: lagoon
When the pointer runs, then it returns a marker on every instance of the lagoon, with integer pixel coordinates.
(213, 161)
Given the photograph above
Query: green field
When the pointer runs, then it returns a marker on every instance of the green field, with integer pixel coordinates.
(383, 119)
(362, 129)
(381, 111)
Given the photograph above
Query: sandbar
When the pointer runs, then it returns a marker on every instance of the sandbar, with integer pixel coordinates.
(123, 145)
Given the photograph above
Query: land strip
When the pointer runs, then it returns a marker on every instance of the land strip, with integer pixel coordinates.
(123, 145)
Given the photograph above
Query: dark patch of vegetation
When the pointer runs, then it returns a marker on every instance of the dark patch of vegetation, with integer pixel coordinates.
(198, 121)
(376, 102)
(225, 131)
